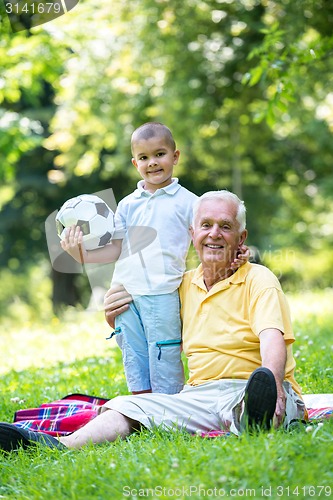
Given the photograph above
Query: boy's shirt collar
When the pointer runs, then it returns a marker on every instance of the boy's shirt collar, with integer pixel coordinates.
(169, 189)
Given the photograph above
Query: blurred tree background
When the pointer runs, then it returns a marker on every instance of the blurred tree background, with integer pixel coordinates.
(245, 86)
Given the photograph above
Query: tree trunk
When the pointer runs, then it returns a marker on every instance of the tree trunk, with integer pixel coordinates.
(65, 291)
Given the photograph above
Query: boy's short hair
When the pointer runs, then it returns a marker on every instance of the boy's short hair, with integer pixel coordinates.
(153, 129)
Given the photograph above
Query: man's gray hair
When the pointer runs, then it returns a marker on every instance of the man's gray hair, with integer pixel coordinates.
(224, 195)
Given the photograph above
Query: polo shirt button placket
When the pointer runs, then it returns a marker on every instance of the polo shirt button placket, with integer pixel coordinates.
(148, 205)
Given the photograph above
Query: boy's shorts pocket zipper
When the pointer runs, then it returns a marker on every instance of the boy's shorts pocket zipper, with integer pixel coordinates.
(166, 343)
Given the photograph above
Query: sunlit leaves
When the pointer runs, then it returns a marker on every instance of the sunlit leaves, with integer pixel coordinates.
(244, 85)
(293, 53)
(18, 134)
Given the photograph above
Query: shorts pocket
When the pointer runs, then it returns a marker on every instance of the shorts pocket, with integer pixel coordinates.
(164, 344)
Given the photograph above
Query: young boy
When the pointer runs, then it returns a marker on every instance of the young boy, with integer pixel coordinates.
(153, 227)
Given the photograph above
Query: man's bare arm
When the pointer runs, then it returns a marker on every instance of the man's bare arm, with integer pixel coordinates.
(274, 355)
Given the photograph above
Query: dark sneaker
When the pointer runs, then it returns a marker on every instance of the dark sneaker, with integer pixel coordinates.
(260, 400)
(13, 438)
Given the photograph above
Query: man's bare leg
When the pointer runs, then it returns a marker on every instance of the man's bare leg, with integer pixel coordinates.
(106, 427)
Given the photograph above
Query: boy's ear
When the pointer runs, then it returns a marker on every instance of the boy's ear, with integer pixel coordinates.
(134, 163)
(176, 155)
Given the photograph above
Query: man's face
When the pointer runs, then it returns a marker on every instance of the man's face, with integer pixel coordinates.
(216, 235)
(154, 158)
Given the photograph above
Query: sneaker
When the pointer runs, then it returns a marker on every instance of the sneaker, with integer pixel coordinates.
(260, 400)
(13, 438)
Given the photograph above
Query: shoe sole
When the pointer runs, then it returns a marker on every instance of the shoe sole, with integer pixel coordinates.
(13, 438)
(260, 399)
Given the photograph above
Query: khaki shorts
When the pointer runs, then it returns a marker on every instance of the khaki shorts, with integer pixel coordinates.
(211, 406)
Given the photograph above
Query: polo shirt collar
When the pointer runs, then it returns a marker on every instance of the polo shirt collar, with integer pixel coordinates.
(169, 189)
(235, 279)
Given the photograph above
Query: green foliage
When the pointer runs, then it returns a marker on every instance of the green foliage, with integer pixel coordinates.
(244, 85)
(30, 66)
(296, 46)
(299, 271)
(25, 297)
(51, 361)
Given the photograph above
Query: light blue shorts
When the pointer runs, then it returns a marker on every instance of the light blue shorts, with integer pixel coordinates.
(149, 335)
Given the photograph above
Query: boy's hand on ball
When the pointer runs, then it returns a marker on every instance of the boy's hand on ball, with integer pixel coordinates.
(73, 237)
(73, 243)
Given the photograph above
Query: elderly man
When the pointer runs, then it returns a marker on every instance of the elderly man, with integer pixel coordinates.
(237, 337)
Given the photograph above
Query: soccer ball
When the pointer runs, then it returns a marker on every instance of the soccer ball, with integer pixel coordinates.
(92, 214)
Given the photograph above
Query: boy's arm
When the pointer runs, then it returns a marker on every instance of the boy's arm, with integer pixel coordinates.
(104, 255)
(74, 246)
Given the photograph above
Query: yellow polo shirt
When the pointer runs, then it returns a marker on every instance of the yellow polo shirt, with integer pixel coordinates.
(221, 326)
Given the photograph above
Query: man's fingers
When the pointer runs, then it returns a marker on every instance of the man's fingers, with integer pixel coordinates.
(115, 289)
(120, 309)
(110, 315)
(280, 410)
(115, 297)
(117, 301)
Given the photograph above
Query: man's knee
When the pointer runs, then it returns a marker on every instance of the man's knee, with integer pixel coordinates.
(121, 424)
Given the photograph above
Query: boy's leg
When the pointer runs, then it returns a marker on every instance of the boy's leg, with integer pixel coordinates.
(132, 342)
(161, 319)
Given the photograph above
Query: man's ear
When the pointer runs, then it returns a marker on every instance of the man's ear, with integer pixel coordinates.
(243, 237)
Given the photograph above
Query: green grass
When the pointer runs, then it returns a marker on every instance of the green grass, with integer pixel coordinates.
(42, 363)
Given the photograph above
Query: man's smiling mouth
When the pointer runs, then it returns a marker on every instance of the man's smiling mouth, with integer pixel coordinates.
(210, 245)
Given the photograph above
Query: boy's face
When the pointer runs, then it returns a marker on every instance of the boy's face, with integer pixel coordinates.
(154, 158)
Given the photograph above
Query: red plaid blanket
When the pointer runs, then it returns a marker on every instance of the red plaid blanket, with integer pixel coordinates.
(68, 414)
(60, 417)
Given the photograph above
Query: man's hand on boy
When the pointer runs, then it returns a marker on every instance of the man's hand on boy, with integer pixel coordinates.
(116, 301)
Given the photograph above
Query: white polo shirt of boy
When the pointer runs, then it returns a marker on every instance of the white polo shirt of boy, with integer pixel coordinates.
(155, 227)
